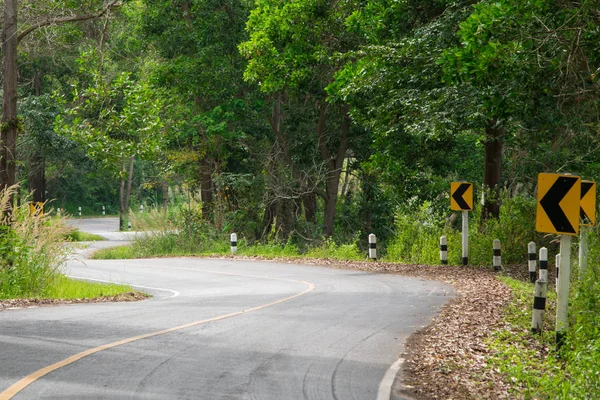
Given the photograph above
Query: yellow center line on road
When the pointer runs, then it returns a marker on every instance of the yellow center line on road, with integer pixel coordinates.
(31, 378)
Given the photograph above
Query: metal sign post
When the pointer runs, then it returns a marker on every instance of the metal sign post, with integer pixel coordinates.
(558, 211)
(461, 199)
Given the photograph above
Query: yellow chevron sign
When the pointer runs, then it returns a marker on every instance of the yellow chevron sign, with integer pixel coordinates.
(558, 204)
(588, 203)
(461, 196)
(36, 209)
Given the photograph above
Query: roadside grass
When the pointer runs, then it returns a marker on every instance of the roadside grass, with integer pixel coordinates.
(531, 363)
(114, 253)
(171, 244)
(65, 288)
(79, 236)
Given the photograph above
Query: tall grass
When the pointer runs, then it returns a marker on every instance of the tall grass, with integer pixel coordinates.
(31, 249)
(418, 235)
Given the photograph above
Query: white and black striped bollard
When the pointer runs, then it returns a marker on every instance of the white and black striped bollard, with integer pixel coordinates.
(373, 247)
(79, 211)
(531, 256)
(557, 261)
(497, 259)
(544, 264)
(539, 306)
(103, 210)
(233, 239)
(141, 208)
(444, 250)
(129, 225)
(539, 299)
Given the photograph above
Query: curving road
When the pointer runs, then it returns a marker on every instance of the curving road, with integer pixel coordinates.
(218, 329)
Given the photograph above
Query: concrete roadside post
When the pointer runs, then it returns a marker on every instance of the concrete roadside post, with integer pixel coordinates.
(79, 211)
(103, 210)
(539, 299)
(544, 264)
(233, 239)
(539, 306)
(588, 218)
(444, 250)
(129, 225)
(373, 247)
(497, 258)
(531, 256)
(582, 252)
(562, 297)
(557, 265)
(141, 208)
(465, 237)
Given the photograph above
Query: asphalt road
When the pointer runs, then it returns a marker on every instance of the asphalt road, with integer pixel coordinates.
(218, 329)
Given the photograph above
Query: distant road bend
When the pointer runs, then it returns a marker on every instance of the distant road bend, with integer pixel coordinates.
(217, 329)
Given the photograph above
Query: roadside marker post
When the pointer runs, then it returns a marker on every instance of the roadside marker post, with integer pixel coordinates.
(531, 256)
(558, 212)
(103, 210)
(233, 239)
(444, 250)
(373, 247)
(497, 256)
(141, 208)
(541, 287)
(544, 264)
(557, 266)
(461, 199)
(588, 218)
(79, 211)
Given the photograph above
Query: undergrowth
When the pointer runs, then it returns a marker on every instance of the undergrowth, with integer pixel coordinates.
(32, 252)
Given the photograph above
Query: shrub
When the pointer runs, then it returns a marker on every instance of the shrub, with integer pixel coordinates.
(31, 249)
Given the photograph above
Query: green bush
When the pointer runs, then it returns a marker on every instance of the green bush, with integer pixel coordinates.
(418, 234)
(31, 250)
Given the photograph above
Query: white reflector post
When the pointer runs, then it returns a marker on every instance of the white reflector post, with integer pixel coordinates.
(233, 238)
(444, 250)
(532, 261)
(372, 246)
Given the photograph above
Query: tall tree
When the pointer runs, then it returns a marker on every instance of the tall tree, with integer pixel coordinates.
(79, 11)
(293, 52)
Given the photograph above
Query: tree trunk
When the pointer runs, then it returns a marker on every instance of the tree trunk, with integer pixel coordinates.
(309, 201)
(9, 128)
(206, 189)
(37, 177)
(37, 163)
(493, 147)
(334, 166)
(122, 208)
(125, 193)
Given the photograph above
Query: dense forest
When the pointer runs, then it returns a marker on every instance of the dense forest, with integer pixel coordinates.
(306, 119)
(303, 126)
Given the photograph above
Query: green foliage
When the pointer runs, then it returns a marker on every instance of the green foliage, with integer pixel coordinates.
(79, 236)
(31, 250)
(418, 233)
(329, 249)
(32, 253)
(114, 253)
(64, 288)
(569, 374)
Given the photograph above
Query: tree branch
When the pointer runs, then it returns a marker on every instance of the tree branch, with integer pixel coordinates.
(72, 18)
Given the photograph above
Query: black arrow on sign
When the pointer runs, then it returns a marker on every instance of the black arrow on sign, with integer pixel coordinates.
(550, 204)
(585, 187)
(458, 196)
